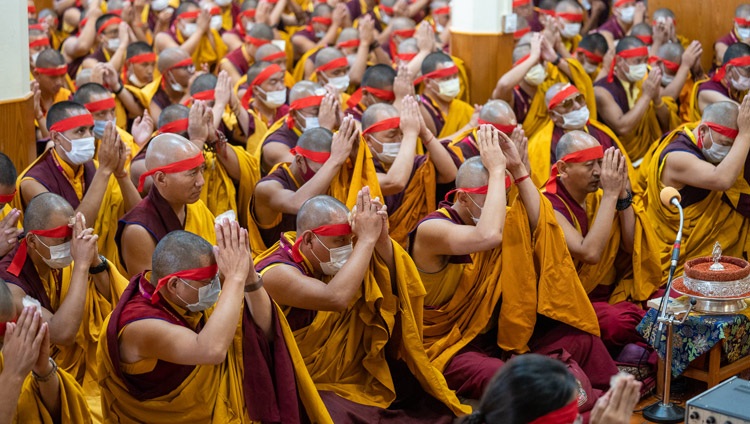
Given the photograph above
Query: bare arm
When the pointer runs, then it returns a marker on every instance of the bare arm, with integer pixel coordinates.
(504, 88)
(137, 248)
(395, 180)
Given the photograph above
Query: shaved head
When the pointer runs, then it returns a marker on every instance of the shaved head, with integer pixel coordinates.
(722, 113)
(377, 113)
(321, 210)
(742, 11)
(256, 69)
(49, 58)
(165, 149)
(261, 31)
(172, 113)
(408, 46)
(521, 50)
(43, 208)
(8, 173)
(169, 57)
(304, 89)
(736, 50)
(498, 112)
(574, 141)
(64, 110)
(326, 55)
(202, 83)
(265, 51)
(472, 174)
(663, 13)
(399, 23)
(671, 52)
(595, 43)
(379, 76)
(627, 43)
(180, 251)
(316, 140)
(568, 6)
(83, 77)
(641, 29)
(553, 90)
(347, 34)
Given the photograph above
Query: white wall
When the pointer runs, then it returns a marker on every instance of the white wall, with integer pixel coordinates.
(14, 50)
(479, 16)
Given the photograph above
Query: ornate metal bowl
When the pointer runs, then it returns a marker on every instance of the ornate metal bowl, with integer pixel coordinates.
(718, 289)
(711, 304)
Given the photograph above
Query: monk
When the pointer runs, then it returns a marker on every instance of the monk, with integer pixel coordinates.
(112, 37)
(621, 21)
(173, 203)
(229, 116)
(458, 251)
(612, 244)
(310, 106)
(9, 216)
(101, 191)
(407, 180)
(79, 44)
(378, 86)
(38, 41)
(355, 305)
(59, 268)
(173, 344)
(702, 161)
(272, 53)
(264, 99)
(629, 104)
(740, 33)
(443, 113)
(50, 72)
(567, 111)
(33, 388)
(140, 62)
(497, 113)
(565, 19)
(193, 34)
(176, 69)
(592, 54)
(729, 83)
(677, 64)
(643, 32)
(331, 67)
(321, 30)
(278, 196)
(237, 62)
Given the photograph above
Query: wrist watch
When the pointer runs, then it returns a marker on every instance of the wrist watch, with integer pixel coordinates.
(103, 266)
(625, 202)
(249, 288)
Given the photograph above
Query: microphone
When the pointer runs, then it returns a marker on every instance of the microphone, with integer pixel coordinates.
(669, 196)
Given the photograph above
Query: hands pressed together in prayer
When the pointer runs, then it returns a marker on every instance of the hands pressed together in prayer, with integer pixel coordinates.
(614, 172)
(9, 231)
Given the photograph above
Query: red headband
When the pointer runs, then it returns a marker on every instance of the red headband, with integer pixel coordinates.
(446, 10)
(385, 124)
(737, 61)
(174, 127)
(439, 73)
(475, 190)
(205, 95)
(572, 17)
(31, 9)
(274, 56)
(674, 67)
(317, 157)
(404, 33)
(53, 72)
(505, 129)
(356, 97)
(259, 79)
(174, 167)
(190, 274)
(562, 95)
(521, 32)
(323, 230)
(108, 22)
(646, 39)
(257, 42)
(580, 156)
(20, 259)
(354, 42)
(143, 58)
(721, 129)
(108, 103)
(335, 63)
(301, 104)
(189, 15)
(3, 327)
(742, 22)
(565, 415)
(634, 52)
(593, 57)
(406, 57)
(39, 42)
(180, 64)
(619, 3)
(38, 27)
(6, 198)
(386, 9)
(214, 11)
(82, 120)
(322, 20)
(519, 3)
(248, 13)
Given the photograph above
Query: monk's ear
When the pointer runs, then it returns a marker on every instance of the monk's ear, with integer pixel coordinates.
(172, 283)
(160, 177)
(31, 241)
(307, 238)
(562, 168)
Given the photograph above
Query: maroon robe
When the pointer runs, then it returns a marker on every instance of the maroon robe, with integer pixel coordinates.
(394, 201)
(728, 40)
(437, 117)
(356, 112)
(613, 27)
(617, 91)
(161, 98)
(682, 143)
(288, 221)
(412, 404)
(98, 55)
(283, 135)
(600, 136)
(281, 111)
(718, 87)
(46, 173)
(521, 103)
(468, 146)
(237, 58)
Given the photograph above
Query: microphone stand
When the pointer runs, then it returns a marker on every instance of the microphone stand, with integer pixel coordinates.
(665, 411)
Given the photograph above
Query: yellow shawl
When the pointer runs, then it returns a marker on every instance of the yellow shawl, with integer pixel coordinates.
(219, 192)
(206, 53)
(418, 201)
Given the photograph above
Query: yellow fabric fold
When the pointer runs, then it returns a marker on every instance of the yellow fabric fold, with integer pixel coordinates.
(418, 201)
(352, 177)
(199, 220)
(220, 194)
(207, 53)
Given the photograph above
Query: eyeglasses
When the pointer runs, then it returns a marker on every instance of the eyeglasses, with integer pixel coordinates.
(572, 101)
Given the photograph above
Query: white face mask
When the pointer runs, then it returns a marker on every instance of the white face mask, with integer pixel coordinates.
(189, 29)
(384, 18)
(338, 255)
(627, 14)
(536, 75)
(389, 153)
(473, 218)
(570, 30)
(34, 56)
(216, 22)
(320, 34)
(136, 82)
(207, 296)
(637, 72)
(576, 119)
(666, 80)
(339, 83)
(311, 122)
(99, 127)
(590, 68)
(249, 26)
(59, 256)
(176, 86)
(716, 153)
(222, 3)
(449, 89)
(742, 33)
(159, 5)
(741, 83)
(81, 151)
(273, 99)
(113, 44)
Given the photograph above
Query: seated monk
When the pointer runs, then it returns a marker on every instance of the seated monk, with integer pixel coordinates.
(536, 66)
(318, 157)
(740, 33)
(32, 386)
(355, 44)
(310, 106)
(59, 269)
(112, 39)
(564, 18)
(191, 31)
(101, 191)
(229, 117)
(272, 53)
(677, 80)
(264, 100)
(592, 54)
(629, 104)
(621, 21)
(164, 353)
(407, 180)
(643, 32)
(353, 308)
(38, 41)
(702, 161)
(567, 111)
(138, 70)
(237, 62)
(9, 216)
(173, 202)
(176, 69)
(249, 14)
(458, 251)
(443, 113)
(378, 86)
(50, 73)
(399, 29)
(613, 246)
(497, 113)
(729, 83)
(331, 68)
(321, 30)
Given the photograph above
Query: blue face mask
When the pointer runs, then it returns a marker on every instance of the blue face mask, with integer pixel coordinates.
(99, 127)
